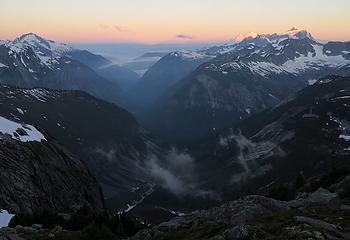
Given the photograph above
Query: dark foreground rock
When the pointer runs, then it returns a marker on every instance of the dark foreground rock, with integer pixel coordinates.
(318, 215)
(22, 233)
(38, 176)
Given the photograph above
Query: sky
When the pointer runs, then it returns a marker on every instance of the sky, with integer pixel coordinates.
(171, 21)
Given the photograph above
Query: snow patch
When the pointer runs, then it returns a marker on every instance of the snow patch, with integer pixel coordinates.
(131, 206)
(39, 94)
(189, 55)
(20, 132)
(264, 68)
(312, 81)
(344, 137)
(3, 65)
(5, 218)
(314, 61)
(20, 111)
(343, 97)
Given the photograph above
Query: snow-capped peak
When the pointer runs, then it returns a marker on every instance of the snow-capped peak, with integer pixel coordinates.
(47, 51)
(31, 38)
(243, 36)
(42, 45)
(298, 34)
(292, 33)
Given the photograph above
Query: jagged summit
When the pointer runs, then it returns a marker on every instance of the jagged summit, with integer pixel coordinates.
(30, 37)
(299, 34)
(292, 33)
(292, 29)
(240, 37)
(40, 44)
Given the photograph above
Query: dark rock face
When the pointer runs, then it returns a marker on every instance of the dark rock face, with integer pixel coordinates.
(38, 176)
(338, 48)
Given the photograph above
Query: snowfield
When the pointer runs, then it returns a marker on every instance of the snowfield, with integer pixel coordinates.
(313, 61)
(19, 132)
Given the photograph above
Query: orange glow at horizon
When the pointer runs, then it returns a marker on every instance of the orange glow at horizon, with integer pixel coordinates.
(164, 21)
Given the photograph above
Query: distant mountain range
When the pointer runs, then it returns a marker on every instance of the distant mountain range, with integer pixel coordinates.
(142, 63)
(235, 81)
(32, 61)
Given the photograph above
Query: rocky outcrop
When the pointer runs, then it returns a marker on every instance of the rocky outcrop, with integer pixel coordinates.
(43, 175)
(237, 219)
(322, 197)
(320, 224)
(27, 232)
(9, 234)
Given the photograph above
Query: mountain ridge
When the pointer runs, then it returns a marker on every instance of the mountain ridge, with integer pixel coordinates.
(32, 61)
(244, 78)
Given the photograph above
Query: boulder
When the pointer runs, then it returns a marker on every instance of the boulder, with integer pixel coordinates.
(37, 226)
(320, 225)
(323, 197)
(7, 233)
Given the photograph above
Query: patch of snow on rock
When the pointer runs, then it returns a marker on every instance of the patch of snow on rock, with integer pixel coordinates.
(20, 132)
(5, 218)
(20, 111)
(345, 137)
(3, 65)
(188, 55)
